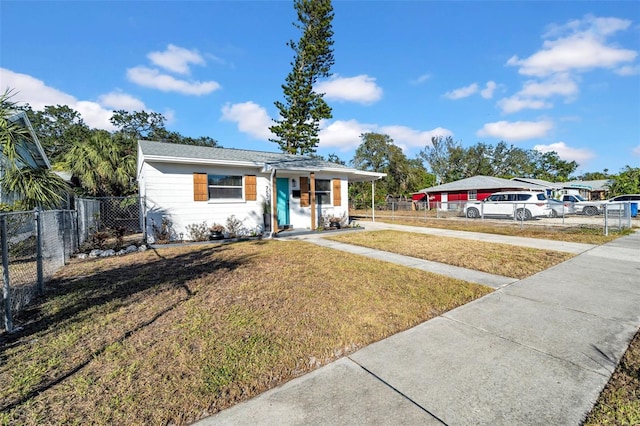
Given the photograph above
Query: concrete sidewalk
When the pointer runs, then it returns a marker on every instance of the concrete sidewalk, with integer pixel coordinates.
(538, 351)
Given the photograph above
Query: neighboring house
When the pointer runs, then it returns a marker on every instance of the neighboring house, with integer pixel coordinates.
(587, 189)
(187, 185)
(550, 188)
(30, 151)
(454, 195)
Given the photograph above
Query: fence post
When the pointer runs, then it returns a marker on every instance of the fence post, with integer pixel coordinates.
(6, 288)
(39, 242)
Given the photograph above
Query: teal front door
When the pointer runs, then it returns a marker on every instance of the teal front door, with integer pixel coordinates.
(282, 204)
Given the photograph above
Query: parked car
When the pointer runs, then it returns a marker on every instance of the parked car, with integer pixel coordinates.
(618, 203)
(560, 208)
(583, 206)
(521, 204)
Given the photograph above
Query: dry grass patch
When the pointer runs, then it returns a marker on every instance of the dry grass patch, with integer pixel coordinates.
(499, 259)
(573, 234)
(619, 402)
(168, 337)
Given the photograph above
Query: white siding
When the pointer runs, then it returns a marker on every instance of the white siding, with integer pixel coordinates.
(168, 189)
(169, 193)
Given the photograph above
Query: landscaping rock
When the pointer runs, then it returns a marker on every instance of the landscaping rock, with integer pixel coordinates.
(82, 255)
(142, 248)
(121, 252)
(108, 253)
(131, 249)
(95, 253)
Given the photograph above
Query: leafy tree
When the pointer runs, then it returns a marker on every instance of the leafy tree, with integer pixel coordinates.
(626, 182)
(446, 158)
(595, 175)
(509, 162)
(102, 165)
(378, 153)
(32, 186)
(303, 108)
(137, 125)
(57, 128)
(333, 158)
(549, 166)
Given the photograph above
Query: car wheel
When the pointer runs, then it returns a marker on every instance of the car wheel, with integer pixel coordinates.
(473, 213)
(523, 214)
(590, 211)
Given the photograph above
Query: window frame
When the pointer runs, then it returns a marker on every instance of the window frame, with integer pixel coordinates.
(472, 195)
(326, 193)
(225, 187)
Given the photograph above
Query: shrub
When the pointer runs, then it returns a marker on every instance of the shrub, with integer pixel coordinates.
(162, 233)
(234, 227)
(198, 231)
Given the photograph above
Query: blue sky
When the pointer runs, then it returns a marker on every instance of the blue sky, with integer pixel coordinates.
(549, 75)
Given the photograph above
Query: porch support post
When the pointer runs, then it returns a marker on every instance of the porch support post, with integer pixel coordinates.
(312, 184)
(274, 207)
(373, 200)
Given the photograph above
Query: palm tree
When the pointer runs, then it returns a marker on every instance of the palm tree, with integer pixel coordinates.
(30, 185)
(102, 164)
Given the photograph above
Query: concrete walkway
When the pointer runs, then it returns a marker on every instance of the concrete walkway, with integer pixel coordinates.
(538, 351)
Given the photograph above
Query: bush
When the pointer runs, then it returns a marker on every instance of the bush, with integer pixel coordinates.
(235, 227)
(162, 233)
(198, 231)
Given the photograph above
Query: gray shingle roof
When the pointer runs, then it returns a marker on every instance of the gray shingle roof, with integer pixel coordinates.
(258, 158)
(480, 182)
(172, 151)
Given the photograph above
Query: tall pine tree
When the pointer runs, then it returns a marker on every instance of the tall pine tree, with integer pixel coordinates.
(302, 109)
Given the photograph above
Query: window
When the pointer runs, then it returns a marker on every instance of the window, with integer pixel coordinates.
(472, 194)
(323, 192)
(224, 187)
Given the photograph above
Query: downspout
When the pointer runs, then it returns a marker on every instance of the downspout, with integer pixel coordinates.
(274, 219)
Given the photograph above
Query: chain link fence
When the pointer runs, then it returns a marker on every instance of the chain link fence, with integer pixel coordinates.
(36, 244)
(623, 215)
(122, 214)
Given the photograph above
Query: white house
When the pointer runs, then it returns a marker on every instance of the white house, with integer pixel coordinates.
(186, 184)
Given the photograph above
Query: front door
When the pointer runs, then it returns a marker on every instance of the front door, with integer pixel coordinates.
(444, 198)
(282, 204)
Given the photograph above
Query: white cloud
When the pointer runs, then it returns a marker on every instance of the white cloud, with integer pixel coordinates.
(361, 88)
(343, 134)
(628, 70)
(37, 94)
(152, 78)
(406, 137)
(567, 153)
(462, 92)
(636, 151)
(583, 48)
(560, 84)
(176, 59)
(119, 100)
(516, 103)
(487, 92)
(534, 93)
(421, 79)
(517, 130)
(250, 117)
